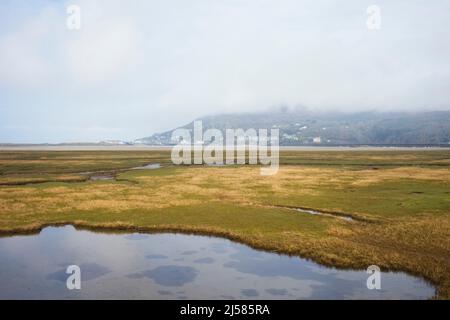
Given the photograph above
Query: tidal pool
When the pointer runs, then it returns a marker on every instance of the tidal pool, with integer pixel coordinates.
(176, 266)
(150, 166)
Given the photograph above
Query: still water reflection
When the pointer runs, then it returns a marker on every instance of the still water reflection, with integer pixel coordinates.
(175, 266)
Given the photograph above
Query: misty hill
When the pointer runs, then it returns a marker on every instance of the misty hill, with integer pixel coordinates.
(334, 128)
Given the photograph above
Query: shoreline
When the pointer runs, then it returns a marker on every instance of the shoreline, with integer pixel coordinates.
(26, 147)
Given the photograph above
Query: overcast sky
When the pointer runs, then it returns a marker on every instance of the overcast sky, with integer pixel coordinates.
(139, 67)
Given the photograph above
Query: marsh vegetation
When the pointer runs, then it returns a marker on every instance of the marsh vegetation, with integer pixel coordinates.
(399, 201)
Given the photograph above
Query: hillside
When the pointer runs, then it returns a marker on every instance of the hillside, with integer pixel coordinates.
(305, 128)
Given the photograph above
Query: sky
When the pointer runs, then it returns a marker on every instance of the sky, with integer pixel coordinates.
(139, 67)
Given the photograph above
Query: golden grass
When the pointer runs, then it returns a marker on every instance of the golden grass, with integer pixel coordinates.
(366, 177)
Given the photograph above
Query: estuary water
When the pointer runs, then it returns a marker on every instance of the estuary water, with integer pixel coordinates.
(176, 266)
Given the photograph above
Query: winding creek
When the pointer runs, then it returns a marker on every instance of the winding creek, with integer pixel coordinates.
(176, 266)
(320, 213)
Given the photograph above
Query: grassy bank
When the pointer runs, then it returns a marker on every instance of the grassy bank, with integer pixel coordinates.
(401, 201)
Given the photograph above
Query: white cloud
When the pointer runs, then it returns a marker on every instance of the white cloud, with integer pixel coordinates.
(157, 64)
(24, 60)
(103, 53)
